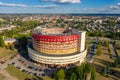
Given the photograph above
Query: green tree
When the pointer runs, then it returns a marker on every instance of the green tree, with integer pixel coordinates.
(23, 42)
(99, 49)
(79, 72)
(73, 76)
(69, 72)
(60, 74)
(116, 63)
(104, 71)
(108, 68)
(11, 47)
(93, 74)
(87, 68)
(2, 44)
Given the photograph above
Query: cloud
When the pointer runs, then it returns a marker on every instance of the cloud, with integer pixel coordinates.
(26, 6)
(45, 6)
(63, 1)
(116, 7)
(12, 5)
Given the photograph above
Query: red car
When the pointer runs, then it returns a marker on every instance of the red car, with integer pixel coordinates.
(22, 62)
(2, 62)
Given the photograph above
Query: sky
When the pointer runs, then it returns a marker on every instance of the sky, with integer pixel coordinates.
(60, 6)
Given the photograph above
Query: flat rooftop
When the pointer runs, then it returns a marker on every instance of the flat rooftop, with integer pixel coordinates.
(55, 31)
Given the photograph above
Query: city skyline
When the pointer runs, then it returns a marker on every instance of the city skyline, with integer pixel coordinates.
(60, 6)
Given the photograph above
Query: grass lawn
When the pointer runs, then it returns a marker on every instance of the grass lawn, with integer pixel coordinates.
(4, 52)
(17, 73)
(102, 60)
(118, 51)
(4, 75)
(109, 77)
(21, 75)
(47, 78)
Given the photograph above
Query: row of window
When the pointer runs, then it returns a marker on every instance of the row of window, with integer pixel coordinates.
(56, 47)
(56, 42)
(45, 39)
(58, 51)
(47, 60)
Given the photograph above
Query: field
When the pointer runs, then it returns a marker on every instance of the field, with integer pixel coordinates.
(47, 78)
(4, 75)
(101, 61)
(17, 73)
(21, 75)
(5, 52)
(118, 51)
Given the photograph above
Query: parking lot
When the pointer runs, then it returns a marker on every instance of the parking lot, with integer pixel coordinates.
(26, 65)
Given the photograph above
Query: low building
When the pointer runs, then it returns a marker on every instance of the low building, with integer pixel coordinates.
(10, 41)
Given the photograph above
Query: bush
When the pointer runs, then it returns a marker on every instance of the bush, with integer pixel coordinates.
(60, 74)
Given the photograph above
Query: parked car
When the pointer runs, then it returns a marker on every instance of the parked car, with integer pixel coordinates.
(2, 62)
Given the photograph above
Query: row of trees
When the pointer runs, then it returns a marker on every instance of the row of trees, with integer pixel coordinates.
(106, 70)
(99, 46)
(114, 35)
(23, 26)
(99, 49)
(83, 72)
(2, 44)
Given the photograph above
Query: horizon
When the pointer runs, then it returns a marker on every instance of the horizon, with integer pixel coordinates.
(60, 6)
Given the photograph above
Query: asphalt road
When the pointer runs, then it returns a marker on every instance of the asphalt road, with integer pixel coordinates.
(90, 55)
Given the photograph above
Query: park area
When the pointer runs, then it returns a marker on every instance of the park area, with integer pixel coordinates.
(6, 53)
(102, 60)
(4, 75)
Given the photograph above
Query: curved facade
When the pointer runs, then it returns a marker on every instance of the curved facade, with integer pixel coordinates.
(57, 60)
(58, 46)
(55, 44)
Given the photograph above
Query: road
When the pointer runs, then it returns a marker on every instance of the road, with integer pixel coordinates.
(90, 55)
(112, 50)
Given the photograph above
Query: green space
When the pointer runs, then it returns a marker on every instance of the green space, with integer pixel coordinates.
(22, 76)
(6, 52)
(107, 67)
(84, 72)
(19, 74)
(47, 78)
(118, 51)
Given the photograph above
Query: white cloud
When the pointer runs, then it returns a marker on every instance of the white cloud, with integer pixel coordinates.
(64, 1)
(117, 6)
(114, 7)
(26, 6)
(12, 5)
(45, 6)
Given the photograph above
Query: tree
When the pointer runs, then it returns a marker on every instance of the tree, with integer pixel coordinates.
(2, 44)
(116, 63)
(69, 72)
(99, 49)
(60, 74)
(104, 71)
(12, 47)
(79, 72)
(73, 76)
(93, 74)
(23, 42)
(108, 68)
(87, 68)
